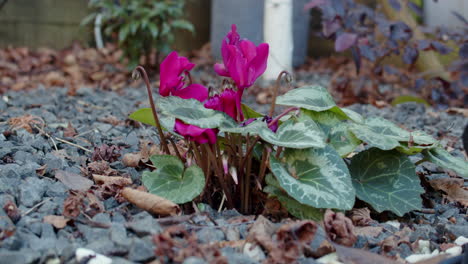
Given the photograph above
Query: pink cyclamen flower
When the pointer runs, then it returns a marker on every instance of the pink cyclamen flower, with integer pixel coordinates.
(243, 61)
(194, 133)
(224, 102)
(172, 80)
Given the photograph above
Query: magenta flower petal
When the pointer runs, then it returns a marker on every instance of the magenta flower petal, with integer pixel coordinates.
(221, 70)
(194, 133)
(224, 102)
(193, 91)
(171, 69)
(249, 50)
(259, 63)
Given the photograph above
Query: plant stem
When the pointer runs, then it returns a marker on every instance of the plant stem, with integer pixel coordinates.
(219, 173)
(276, 91)
(263, 164)
(153, 108)
(176, 150)
(285, 112)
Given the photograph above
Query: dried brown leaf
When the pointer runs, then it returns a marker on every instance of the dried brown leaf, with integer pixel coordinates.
(131, 159)
(368, 231)
(12, 211)
(99, 167)
(396, 239)
(358, 256)
(73, 181)
(361, 216)
(454, 189)
(151, 202)
(339, 228)
(73, 205)
(41, 170)
(112, 180)
(26, 122)
(292, 239)
(58, 221)
(106, 152)
(70, 131)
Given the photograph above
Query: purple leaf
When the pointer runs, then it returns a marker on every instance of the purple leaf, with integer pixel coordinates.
(441, 48)
(399, 31)
(356, 58)
(415, 8)
(395, 4)
(463, 52)
(330, 27)
(410, 55)
(345, 41)
(314, 4)
(460, 17)
(367, 52)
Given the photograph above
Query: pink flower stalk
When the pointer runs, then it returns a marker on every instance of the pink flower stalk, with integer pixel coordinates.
(172, 80)
(243, 62)
(224, 102)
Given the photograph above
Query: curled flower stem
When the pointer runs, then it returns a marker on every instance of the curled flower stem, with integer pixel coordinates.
(285, 112)
(153, 108)
(277, 87)
(187, 73)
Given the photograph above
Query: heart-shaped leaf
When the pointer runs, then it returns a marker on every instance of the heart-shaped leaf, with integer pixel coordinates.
(386, 180)
(172, 181)
(336, 129)
(249, 112)
(253, 128)
(297, 135)
(442, 158)
(145, 116)
(314, 97)
(295, 208)
(193, 112)
(315, 177)
(383, 134)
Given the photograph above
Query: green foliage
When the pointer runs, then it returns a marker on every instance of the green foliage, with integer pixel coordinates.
(172, 181)
(442, 158)
(307, 171)
(386, 180)
(315, 177)
(140, 26)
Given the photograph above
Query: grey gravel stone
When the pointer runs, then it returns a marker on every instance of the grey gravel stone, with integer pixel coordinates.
(25, 256)
(54, 163)
(141, 250)
(208, 235)
(194, 260)
(457, 230)
(144, 224)
(93, 233)
(31, 191)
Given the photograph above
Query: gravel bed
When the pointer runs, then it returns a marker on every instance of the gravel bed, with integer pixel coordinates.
(126, 232)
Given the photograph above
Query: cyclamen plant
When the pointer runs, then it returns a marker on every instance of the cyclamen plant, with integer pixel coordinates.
(305, 157)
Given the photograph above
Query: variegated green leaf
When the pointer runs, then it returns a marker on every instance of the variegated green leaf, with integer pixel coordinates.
(295, 208)
(444, 159)
(172, 181)
(253, 128)
(341, 138)
(193, 112)
(386, 180)
(315, 177)
(143, 115)
(380, 133)
(314, 97)
(298, 135)
(249, 112)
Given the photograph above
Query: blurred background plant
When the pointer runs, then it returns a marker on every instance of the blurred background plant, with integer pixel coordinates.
(141, 27)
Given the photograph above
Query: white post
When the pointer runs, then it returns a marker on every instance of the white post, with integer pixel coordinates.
(278, 33)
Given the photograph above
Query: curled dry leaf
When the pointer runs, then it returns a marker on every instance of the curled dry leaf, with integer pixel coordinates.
(112, 120)
(361, 216)
(26, 122)
(358, 256)
(131, 159)
(99, 167)
(396, 239)
(339, 228)
(70, 131)
(106, 153)
(73, 181)
(12, 211)
(73, 205)
(454, 189)
(115, 180)
(94, 205)
(150, 202)
(292, 239)
(58, 221)
(41, 170)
